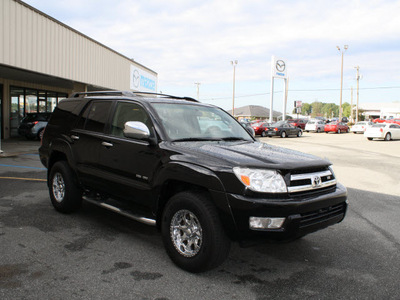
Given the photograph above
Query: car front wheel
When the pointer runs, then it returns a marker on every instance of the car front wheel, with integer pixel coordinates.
(263, 134)
(283, 134)
(65, 194)
(193, 234)
(299, 133)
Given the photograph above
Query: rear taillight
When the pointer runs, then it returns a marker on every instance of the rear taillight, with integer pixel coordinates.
(381, 130)
(276, 129)
(34, 123)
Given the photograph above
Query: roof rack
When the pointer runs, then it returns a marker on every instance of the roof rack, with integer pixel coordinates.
(129, 94)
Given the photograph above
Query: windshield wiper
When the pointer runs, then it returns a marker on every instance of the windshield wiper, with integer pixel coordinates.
(196, 140)
(233, 138)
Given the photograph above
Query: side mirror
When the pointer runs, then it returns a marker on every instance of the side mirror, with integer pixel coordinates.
(136, 130)
(139, 131)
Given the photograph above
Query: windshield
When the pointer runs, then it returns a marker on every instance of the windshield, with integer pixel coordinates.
(188, 122)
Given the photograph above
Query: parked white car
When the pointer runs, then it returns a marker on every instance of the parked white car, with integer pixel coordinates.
(360, 127)
(386, 131)
(315, 126)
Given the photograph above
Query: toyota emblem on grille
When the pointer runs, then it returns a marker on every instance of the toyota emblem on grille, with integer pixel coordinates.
(316, 181)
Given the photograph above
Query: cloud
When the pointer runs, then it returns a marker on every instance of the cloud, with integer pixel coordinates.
(188, 41)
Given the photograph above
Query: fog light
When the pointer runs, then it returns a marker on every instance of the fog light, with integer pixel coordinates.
(265, 223)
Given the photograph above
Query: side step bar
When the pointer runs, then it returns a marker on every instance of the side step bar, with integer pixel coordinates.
(125, 213)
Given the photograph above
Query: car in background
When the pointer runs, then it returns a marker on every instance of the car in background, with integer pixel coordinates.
(315, 126)
(248, 127)
(396, 121)
(33, 124)
(300, 123)
(282, 129)
(360, 127)
(386, 131)
(260, 127)
(337, 127)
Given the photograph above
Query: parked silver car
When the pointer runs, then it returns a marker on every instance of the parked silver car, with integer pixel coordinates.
(315, 126)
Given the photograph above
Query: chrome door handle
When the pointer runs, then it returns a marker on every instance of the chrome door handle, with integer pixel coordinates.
(105, 144)
(75, 137)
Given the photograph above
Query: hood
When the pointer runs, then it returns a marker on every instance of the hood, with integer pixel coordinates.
(217, 155)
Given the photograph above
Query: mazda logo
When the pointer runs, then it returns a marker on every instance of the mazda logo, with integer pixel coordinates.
(280, 65)
(136, 79)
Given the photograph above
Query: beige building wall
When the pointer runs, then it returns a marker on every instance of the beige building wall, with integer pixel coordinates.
(33, 41)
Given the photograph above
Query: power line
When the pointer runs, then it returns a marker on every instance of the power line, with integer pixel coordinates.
(312, 90)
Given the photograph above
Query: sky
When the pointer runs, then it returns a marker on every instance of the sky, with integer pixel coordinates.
(188, 42)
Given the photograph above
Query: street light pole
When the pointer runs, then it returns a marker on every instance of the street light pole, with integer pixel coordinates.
(358, 81)
(198, 88)
(233, 63)
(341, 80)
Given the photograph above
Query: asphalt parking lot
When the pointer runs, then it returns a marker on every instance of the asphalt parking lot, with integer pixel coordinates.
(96, 254)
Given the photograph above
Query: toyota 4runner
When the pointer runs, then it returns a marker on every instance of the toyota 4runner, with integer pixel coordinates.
(188, 168)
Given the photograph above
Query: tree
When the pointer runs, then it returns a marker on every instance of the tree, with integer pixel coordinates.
(316, 109)
(306, 109)
(346, 109)
(330, 110)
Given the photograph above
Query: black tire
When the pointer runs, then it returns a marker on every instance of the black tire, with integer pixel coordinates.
(338, 131)
(263, 134)
(65, 194)
(283, 134)
(299, 133)
(209, 247)
(40, 134)
(348, 130)
(369, 139)
(388, 136)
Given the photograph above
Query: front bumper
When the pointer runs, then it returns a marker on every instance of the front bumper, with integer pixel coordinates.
(303, 215)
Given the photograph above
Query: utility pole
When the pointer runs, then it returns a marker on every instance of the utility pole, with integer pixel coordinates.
(341, 80)
(233, 63)
(198, 84)
(358, 81)
(351, 106)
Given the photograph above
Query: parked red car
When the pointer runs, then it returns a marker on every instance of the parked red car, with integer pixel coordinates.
(300, 123)
(259, 127)
(337, 127)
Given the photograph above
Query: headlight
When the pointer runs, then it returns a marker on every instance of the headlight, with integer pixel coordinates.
(258, 180)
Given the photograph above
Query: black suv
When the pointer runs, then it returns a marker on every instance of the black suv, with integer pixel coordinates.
(188, 168)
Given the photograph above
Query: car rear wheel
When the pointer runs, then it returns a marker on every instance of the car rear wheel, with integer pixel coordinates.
(193, 234)
(65, 194)
(369, 139)
(283, 134)
(299, 133)
(388, 136)
(263, 134)
(338, 131)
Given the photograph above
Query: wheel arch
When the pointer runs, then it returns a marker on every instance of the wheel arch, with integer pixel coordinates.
(195, 179)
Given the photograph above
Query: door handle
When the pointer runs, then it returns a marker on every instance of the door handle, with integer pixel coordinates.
(75, 137)
(105, 144)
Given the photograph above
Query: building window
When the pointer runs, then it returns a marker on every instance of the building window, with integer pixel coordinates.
(24, 101)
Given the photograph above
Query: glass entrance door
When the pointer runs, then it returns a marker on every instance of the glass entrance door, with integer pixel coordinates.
(17, 110)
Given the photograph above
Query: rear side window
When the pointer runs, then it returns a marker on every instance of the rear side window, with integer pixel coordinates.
(95, 116)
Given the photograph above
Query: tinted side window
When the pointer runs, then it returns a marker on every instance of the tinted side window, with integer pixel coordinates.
(95, 116)
(128, 112)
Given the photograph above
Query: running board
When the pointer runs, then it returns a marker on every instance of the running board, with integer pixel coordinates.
(125, 213)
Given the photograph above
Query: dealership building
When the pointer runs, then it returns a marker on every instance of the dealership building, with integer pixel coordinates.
(43, 61)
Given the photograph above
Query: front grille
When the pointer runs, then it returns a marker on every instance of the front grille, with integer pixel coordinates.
(310, 181)
(322, 215)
